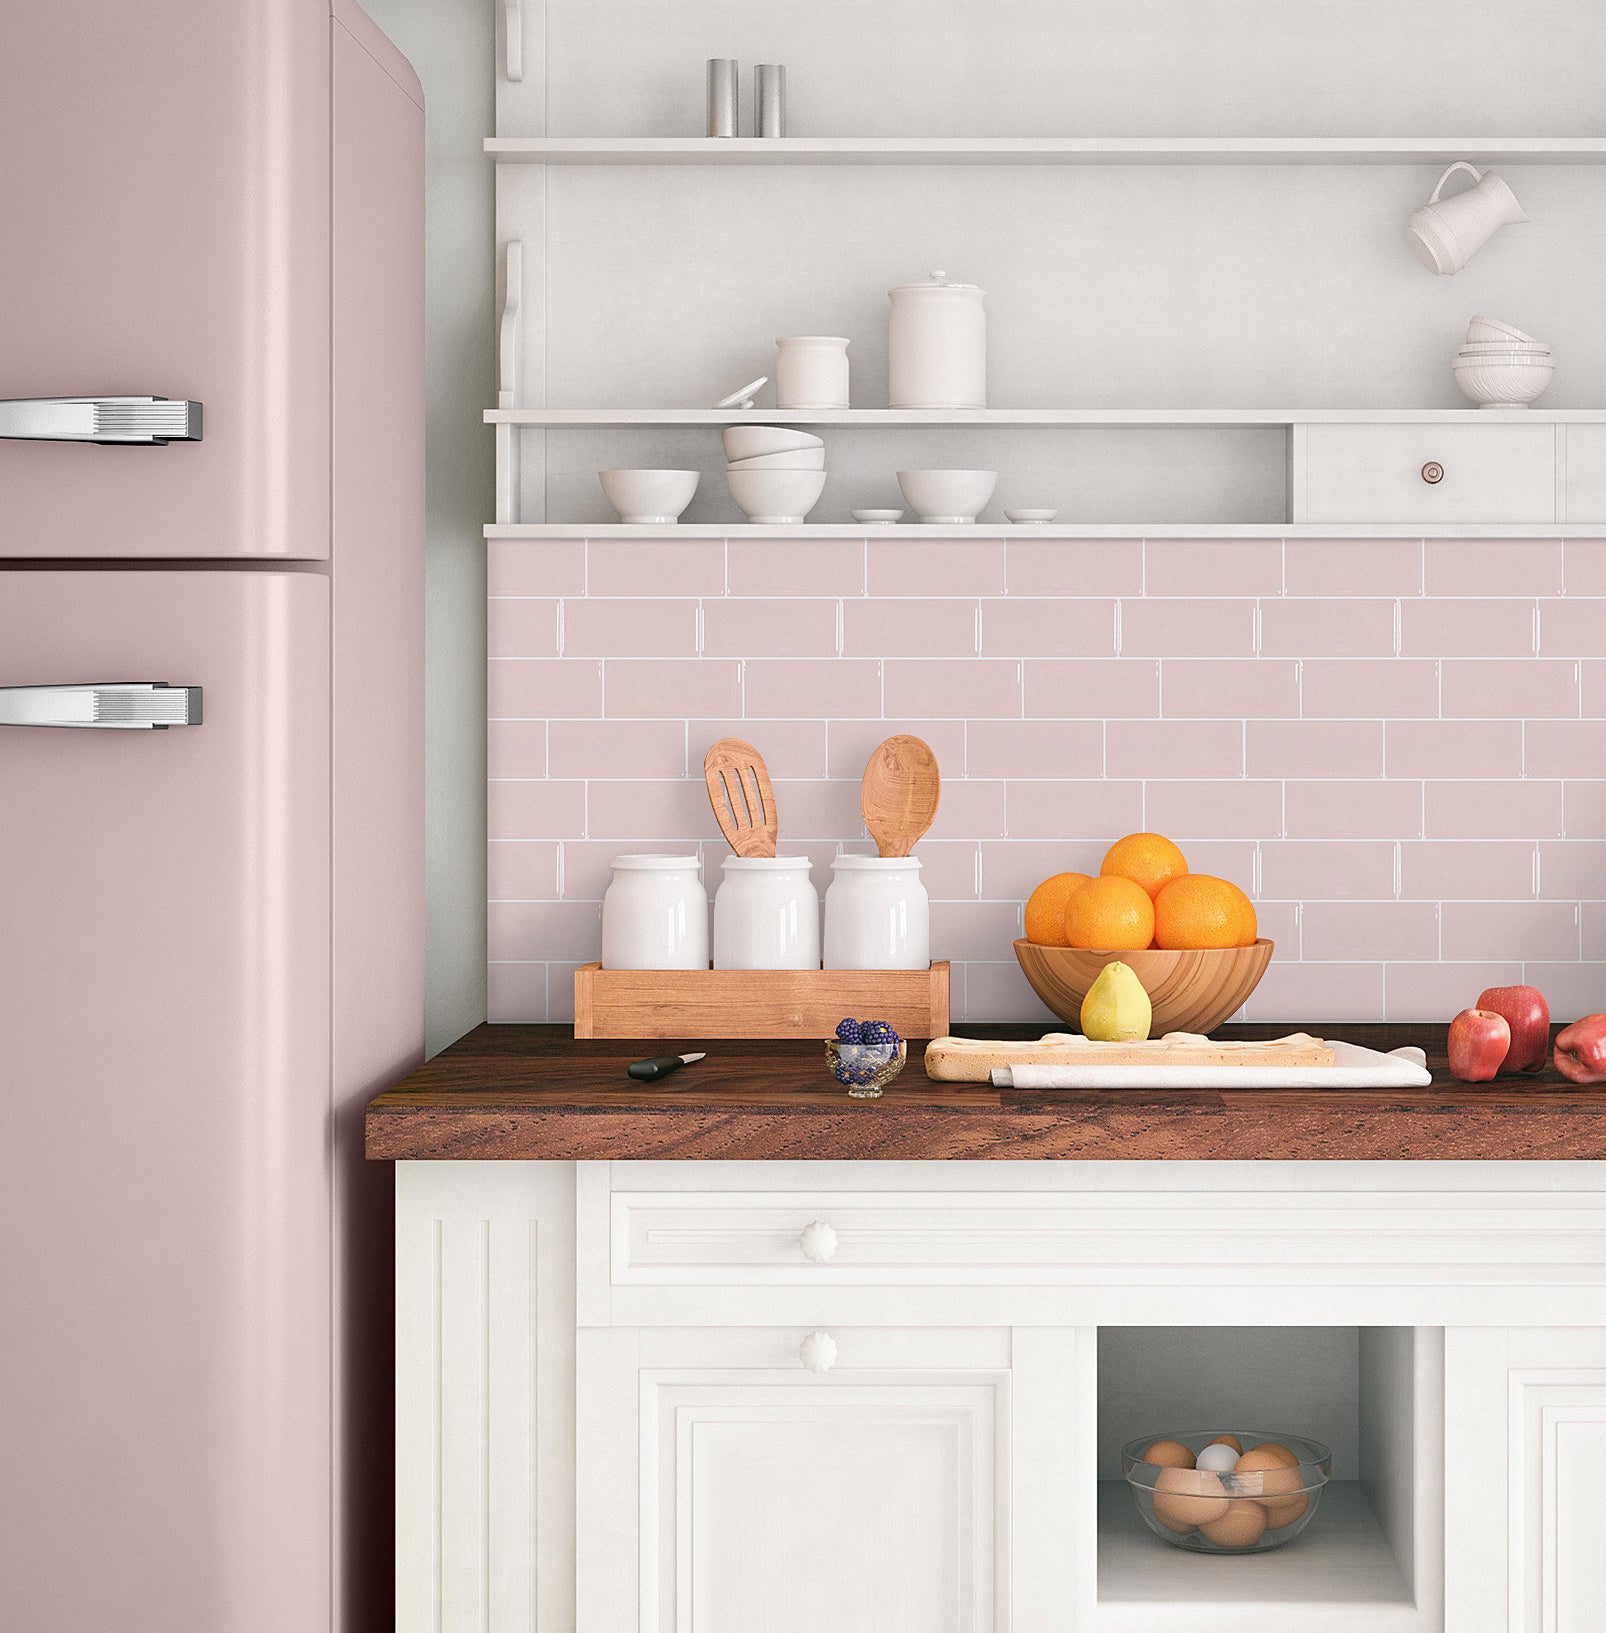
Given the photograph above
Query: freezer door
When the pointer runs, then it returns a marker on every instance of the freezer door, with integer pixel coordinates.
(165, 195)
(164, 1097)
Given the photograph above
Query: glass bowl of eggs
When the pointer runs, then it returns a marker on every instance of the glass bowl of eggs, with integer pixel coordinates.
(1242, 1492)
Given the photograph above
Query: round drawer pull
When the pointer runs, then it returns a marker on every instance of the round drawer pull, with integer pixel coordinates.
(818, 1242)
(1432, 472)
(818, 1352)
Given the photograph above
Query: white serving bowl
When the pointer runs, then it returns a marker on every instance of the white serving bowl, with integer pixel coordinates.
(1506, 348)
(649, 496)
(947, 496)
(776, 497)
(1492, 384)
(794, 459)
(749, 441)
(1482, 328)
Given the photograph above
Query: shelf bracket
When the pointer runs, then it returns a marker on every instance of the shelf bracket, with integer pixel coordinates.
(513, 39)
(507, 325)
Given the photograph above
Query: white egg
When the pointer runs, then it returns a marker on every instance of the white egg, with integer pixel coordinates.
(1218, 1459)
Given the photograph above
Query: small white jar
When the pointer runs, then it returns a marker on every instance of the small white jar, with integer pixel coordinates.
(812, 372)
(655, 915)
(767, 915)
(877, 915)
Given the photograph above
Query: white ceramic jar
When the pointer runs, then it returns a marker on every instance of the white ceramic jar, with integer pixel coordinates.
(937, 345)
(877, 915)
(766, 915)
(812, 372)
(655, 915)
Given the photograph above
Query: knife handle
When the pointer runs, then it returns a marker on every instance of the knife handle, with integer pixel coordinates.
(648, 1071)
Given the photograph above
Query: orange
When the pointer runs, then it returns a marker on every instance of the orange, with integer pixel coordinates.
(1109, 913)
(1199, 910)
(1150, 860)
(1045, 909)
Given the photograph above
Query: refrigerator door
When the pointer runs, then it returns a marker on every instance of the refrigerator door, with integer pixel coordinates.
(165, 195)
(164, 1108)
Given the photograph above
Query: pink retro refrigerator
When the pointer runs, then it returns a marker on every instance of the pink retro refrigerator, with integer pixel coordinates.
(211, 870)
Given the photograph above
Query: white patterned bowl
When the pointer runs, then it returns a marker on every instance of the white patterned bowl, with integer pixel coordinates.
(649, 496)
(1482, 328)
(776, 497)
(947, 496)
(749, 441)
(1493, 384)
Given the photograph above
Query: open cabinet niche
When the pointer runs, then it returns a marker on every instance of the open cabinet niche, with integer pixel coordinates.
(1373, 1556)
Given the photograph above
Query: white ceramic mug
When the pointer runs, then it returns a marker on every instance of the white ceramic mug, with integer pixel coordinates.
(766, 915)
(812, 372)
(655, 915)
(877, 915)
(1447, 232)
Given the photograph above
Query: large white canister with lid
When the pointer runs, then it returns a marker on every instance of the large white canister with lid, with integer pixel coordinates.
(937, 345)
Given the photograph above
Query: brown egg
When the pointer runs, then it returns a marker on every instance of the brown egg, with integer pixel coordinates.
(1184, 1498)
(1242, 1526)
(1169, 1454)
(1229, 1440)
(1275, 1455)
(1280, 1496)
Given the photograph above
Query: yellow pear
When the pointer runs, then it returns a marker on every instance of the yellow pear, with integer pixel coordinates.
(1116, 1008)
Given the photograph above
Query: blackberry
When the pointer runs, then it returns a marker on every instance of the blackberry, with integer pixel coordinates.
(878, 1032)
(850, 1031)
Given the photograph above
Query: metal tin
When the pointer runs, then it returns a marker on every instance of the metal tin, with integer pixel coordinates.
(769, 99)
(724, 96)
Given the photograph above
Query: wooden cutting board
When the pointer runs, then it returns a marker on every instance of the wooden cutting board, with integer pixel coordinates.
(973, 1060)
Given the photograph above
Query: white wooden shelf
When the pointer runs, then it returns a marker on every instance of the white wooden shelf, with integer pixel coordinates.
(1092, 419)
(1053, 530)
(744, 150)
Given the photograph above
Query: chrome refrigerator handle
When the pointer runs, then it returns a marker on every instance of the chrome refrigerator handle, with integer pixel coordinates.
(100, 419)
(147, 705)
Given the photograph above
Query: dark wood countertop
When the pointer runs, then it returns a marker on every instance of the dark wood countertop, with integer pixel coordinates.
(528, 1092)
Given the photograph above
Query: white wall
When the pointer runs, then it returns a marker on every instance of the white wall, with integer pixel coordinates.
(449, 42)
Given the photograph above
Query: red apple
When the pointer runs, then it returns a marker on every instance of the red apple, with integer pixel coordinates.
(1581, 1050)
(1528, 1016)
(1479, 1040)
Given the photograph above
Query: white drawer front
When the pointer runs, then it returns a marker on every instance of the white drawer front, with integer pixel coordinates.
(1375, 473)
(1586, 473)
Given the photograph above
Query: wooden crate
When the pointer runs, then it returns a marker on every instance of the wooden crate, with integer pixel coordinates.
(756, 1003)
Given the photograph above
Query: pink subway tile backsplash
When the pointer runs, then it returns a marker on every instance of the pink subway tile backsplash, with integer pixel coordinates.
(1040, 627)
(1059, 750)
(974, 931)
(1327, 870)
(1174, 748)
(852, 742)
(1584, 566)
(545, 567)
(1353, 567)
(536, 810)
(529, 930)
(1473, 567)
(1473, 629)
(1563, 748)
(1573, 989)
(1511, 689)
(1493, 810)
(1187, 629)
(1092, 688)
(1434, 991)
(1545, 930)
(522, 870)
(1059, 567)
(1210, 688)
(792, 628)
(517, 748)
(1453, 748)
(774, 567)
(1573, 868)
(673, 688)
(918, 567)
(1369, 688)
(1327, 629)
(667, 567)
(789, 688)
(521, 629)
(1574, 628)
(1332, 809)
(1317, 993)
(615, 748)
(910, 629)
(1212, 567)
(974, 687)
(1096, 811)
(543, 688)
(1359, 931)
(1314, 748)
(1583, 809)
(629, 628)
(515, 993)
(792, 748)
(1012, 868)
(1475, 870)
(1212, 810)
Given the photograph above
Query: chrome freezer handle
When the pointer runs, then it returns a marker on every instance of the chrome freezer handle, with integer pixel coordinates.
(148, 705)
(100, 419)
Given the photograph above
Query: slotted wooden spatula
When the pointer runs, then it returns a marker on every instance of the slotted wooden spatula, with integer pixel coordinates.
(739, 790)
(899, 794)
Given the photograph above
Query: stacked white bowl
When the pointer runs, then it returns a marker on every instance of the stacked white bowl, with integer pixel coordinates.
(775, 474)
(1501, 367)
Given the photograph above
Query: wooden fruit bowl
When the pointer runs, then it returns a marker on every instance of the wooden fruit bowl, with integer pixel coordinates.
(1193, 990)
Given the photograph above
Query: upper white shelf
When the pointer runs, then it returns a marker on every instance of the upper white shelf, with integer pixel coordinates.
(1437, 150)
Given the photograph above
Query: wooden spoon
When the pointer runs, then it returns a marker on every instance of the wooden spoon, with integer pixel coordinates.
(739, 790)
(899, 794)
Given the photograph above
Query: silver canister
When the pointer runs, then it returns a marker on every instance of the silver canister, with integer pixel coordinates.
(769, 99)
(724, 96)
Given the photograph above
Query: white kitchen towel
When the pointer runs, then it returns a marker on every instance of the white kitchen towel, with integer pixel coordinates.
(1353, 1068)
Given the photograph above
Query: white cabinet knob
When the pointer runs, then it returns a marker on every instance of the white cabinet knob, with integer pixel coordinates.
(818, 1352)
(818, 1242)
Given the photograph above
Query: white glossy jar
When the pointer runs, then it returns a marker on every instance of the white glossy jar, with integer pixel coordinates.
(767, 915)
(812, 372)
(877, 915)
(655, 915)
(937, 345)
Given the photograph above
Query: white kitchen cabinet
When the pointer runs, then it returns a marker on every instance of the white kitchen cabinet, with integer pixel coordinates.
(1525, 1509)
(1584, 468)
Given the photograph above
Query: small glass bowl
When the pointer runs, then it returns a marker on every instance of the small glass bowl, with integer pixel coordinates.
(1227, 1513)
(866, 1068)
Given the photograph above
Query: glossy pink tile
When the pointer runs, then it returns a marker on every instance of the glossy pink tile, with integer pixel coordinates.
(1493, 810)
(1029, 626)
(1099, 811)
(997, 991)
(1574, 628)
(667, 567)
(1212, 810)
(1506, 930)
(971, 809)
(974, 930)
(1564, 748)
(1327, 870)
(522, 870)
(521, 629)
(1369, 688)
(1306, 993)
(1093, 567)
(1187, 629)
(1453, 748)
(803, 688)
(852, 742)
(1314, 748)
(1573, 869)
(1352, 810)
(516, 748)
(542, 930)
(973, 688)
(543, 688)
(1066, 750)
(672, 688)
(674, 812)
(1592, 688)
(1472, 567)
(1092, 688)
(1466, 629)
(791, 748)
(1572, 989)
(628, 628)
(1509, 688)
(919, 567)
(1326, 629)
(1435, 991)
(1213, 689)
(560, 991)
(909, 629)
(651, 749)
(741, 628)
(1011, 869)
(1358, 567)
(1174, 748)
(535, 567)
(1584, 566)
(535, 810)
(776, 567)
(1583, 810)
(515, 994)
(1213, 567)
(1476, 870)
(1343, 931)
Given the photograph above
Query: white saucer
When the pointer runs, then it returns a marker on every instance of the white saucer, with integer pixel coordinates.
(1031, 515)
(876, 515)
